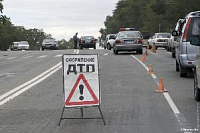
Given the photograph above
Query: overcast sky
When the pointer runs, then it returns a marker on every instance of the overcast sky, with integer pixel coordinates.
(61, 18)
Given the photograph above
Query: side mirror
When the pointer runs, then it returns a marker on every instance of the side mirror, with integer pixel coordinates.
(195, 41)
(174, 33)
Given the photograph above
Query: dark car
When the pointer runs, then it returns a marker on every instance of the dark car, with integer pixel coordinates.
(87, 42)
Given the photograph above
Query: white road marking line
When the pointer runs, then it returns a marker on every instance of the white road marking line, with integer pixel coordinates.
(153, 76)
(59, 55)
(6, 97)
(42, 56)
(11, 58)
(77, 51)
(105, 54)
(26, 86)
(28, 57)
(168, 98)
(171, 103)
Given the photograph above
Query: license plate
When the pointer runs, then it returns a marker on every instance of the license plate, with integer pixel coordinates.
(128, 41)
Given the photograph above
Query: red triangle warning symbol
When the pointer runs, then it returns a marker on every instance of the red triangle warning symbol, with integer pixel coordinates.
(82, 102)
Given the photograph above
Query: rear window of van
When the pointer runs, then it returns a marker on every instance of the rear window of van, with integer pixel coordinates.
(194, 29)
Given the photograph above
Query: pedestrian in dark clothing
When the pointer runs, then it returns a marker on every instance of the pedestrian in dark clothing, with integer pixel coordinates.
(75, 38)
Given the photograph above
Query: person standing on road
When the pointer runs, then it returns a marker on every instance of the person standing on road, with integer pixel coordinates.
(75, 38)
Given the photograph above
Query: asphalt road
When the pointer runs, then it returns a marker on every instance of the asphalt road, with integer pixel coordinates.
(31, 95)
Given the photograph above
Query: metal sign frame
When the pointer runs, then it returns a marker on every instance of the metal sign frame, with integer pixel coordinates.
(80, 75)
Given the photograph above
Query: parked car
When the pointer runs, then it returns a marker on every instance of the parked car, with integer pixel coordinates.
(159, 40)
(185, 52)
(128, 39)
(50, 43)
(22, 45)
(193, 36)
(110, 39)
(87, 42)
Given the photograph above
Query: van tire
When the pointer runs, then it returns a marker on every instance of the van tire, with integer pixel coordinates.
(196, 88)
(183, 72)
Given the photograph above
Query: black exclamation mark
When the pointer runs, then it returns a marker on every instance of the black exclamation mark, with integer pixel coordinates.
(81, 87)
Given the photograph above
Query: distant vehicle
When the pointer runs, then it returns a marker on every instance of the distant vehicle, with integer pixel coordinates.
(128, 39)
(50, 43)
(22, 45)
(87, 42)
(185, 52)
(159, 40)
(110, 39)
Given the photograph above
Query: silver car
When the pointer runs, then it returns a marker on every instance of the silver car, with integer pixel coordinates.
(185, 52)
(194, 38)
(159, 40)
(128, 40)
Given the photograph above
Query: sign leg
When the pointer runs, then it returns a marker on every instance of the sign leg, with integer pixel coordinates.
(61, 116)
(82, 113)
(102, 115)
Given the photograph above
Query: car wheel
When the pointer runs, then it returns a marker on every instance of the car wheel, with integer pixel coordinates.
(140, 51)
(177, 66)
(94, 47)
(109, 47)
(81, 47)
(115, 51)
(196, 88)
(183, 72)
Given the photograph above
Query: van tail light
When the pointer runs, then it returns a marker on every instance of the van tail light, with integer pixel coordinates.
(118, 41)
(185, 34)
(138, 41)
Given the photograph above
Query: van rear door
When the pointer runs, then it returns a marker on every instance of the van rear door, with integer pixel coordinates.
(194, 30)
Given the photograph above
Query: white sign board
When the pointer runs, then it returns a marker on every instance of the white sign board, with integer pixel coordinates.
(81, 80)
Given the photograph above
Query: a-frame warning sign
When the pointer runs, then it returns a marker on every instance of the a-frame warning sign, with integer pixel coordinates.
(81, 83)
(80, 88)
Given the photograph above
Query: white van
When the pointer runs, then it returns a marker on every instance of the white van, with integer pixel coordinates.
(22, 45)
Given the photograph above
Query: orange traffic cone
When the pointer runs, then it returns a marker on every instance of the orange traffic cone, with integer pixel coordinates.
(150, 69)
(143, 58)
(161, 87)
(146, 53)
(153, 49)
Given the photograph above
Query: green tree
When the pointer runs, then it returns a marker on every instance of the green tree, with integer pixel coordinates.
(148, 15)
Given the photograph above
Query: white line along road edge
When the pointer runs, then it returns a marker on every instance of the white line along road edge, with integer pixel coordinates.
(26, 86)
(167, 96)
(6, 97)
(169, 100)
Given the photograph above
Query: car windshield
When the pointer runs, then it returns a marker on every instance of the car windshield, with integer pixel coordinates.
(163, 35)
(130, 34)
(48, 40)
(87, 37)
(196, 27)
(112, 37)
